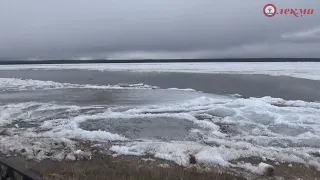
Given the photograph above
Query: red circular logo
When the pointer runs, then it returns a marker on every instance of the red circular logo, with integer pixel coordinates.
(269, 10)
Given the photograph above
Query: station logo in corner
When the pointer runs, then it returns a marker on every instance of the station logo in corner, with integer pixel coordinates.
(270, 10)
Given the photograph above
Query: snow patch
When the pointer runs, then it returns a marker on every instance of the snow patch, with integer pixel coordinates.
(186, 89)
(261, 168)
(164, 165)
(148, 159)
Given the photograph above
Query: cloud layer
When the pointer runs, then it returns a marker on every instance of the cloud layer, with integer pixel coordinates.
(137, 29)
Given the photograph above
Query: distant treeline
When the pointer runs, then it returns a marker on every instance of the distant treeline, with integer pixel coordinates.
(6, 62)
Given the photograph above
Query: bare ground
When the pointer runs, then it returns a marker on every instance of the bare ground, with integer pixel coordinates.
(103, 166)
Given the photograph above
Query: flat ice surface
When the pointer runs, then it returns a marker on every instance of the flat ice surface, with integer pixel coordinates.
(308, 70)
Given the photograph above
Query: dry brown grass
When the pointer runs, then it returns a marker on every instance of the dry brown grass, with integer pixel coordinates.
(103, 166)
(123, 168)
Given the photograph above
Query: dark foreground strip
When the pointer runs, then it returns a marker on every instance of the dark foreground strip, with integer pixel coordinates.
(9, 170)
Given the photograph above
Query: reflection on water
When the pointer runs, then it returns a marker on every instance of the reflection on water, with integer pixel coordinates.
(164, 128)
(100, 96)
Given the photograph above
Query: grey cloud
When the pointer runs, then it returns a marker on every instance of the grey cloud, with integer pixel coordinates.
(143, 29)
(310, 35)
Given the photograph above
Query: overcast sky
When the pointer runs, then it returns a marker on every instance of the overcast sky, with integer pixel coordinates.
(133, 29)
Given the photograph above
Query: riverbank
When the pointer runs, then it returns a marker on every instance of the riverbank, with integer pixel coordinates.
(104, 166)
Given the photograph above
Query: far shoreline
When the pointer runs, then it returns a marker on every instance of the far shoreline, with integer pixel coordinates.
(68, 61)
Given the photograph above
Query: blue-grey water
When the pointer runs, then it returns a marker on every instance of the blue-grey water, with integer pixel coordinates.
(247, 85)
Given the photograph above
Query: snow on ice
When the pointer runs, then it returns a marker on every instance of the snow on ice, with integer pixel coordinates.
(227, 130)
(307, 70)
